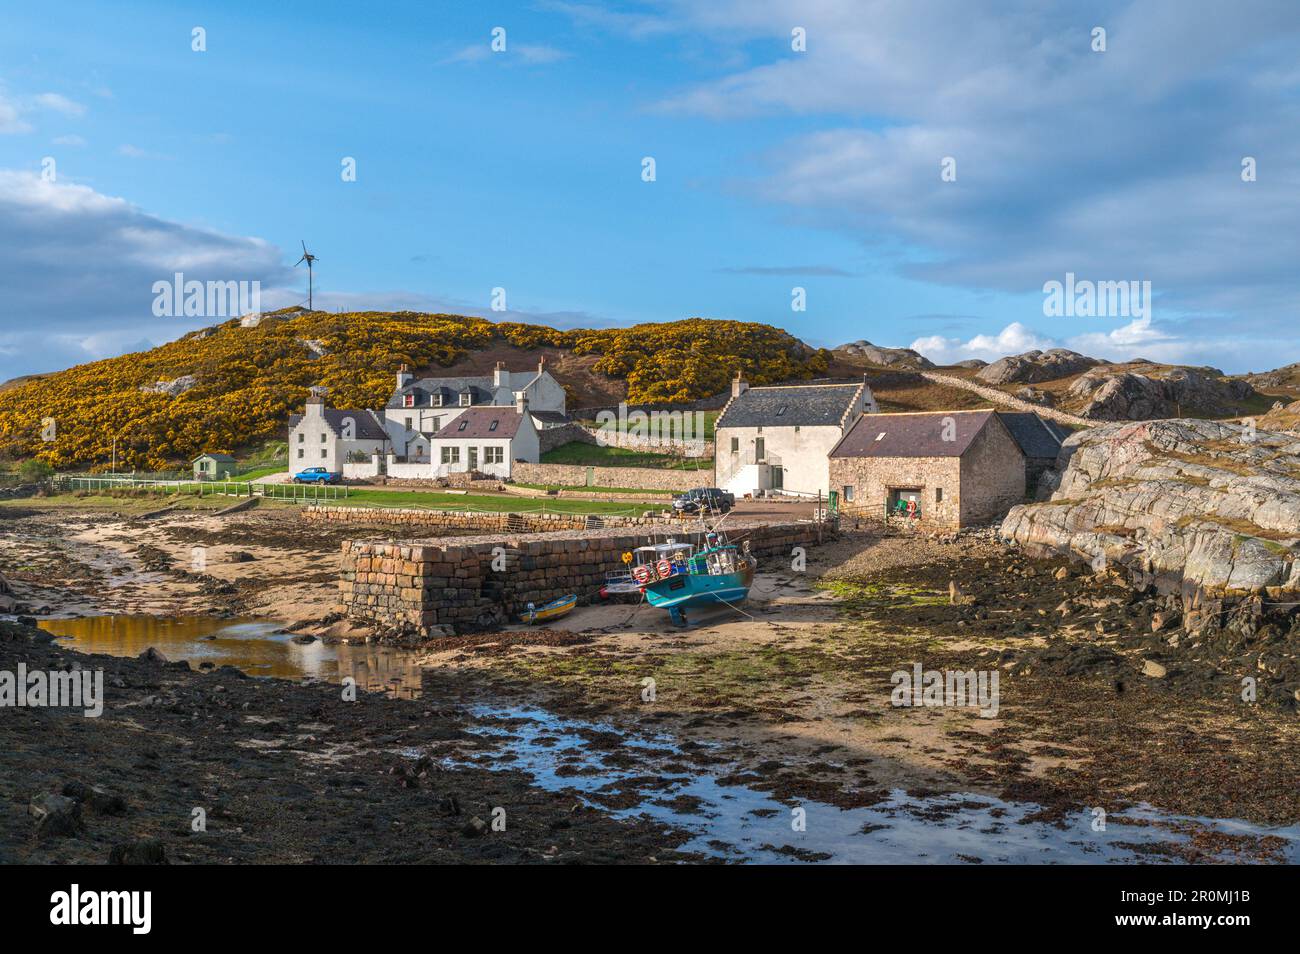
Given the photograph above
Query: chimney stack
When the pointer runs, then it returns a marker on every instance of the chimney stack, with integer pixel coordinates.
(541, 364)
(521, 402)
(403, 377)
(739, 386)
(499, 374)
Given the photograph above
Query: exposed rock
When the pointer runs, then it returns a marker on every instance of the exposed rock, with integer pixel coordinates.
(317, 348)
(1192, 506)
(141, 851)
(57, 816)
(153, 655)
(1033, 366)
(890, 357)
(171, 388)
(972, 363)
(1127, 396)
(1035, 396)
(98, 800)
(1153, 669)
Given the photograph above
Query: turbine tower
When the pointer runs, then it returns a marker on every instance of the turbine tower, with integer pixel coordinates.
(307, 257)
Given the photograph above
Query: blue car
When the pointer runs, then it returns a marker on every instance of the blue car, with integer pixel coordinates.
(316, 475)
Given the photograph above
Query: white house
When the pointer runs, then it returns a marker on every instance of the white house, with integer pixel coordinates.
(326, 437)
(779, 439)
(486, 438)
(417, 410)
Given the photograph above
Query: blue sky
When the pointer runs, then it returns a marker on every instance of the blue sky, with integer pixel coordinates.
(775, 168)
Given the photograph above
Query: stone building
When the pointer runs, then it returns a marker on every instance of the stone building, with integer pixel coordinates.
(947, 469)
(775, 439)
(329, 437)
(1039, 439)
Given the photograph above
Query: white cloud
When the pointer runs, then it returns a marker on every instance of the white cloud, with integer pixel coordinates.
(59, 103)
(1013, 339)
(71, 140)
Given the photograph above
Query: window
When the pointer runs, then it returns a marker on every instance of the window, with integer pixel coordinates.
(408, 423)
(848, 493)
(494, 455)
(408, 400)
(463, 425)
(451, 455)
(301, 452)
(492, 426)
(301, 437)
(437, 424)
(938, 495)
(466, 398)
(324, 453)
(796, 428)
(735, 445)
(436, 399)
(781, 410)
(324, 438)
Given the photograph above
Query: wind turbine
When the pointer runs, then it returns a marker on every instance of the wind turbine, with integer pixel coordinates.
(307, 257)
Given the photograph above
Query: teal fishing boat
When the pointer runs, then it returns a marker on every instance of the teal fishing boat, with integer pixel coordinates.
(677, 576)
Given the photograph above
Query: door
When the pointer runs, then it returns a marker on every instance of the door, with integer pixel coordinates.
(778, 478)
(473, 458)
(760, 451)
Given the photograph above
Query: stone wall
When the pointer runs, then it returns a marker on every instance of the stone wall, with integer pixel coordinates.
(643, 478)
(872, 478)
(552, 437)
(1006, 400)
(424, 587)
(992, 475)
(475, 522)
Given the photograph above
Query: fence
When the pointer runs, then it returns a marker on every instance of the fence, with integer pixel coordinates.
(298, 493)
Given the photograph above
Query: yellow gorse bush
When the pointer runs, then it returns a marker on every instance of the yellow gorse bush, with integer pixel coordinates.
(249, 380)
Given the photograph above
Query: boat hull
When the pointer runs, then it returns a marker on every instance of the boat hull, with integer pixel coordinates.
(685, 590)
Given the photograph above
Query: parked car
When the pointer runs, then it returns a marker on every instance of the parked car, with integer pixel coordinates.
(706, 499)
(316, 475)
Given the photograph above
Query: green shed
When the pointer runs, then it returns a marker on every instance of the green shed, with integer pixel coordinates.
(214, 467)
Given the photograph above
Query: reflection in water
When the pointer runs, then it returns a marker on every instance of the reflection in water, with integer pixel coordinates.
(258, 647)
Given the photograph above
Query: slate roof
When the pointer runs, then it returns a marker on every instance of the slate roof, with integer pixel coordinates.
(481, 388)
(368, 427)
(221, 458)
(912, 435)
(550, 417)
(805, 405)
(1037, 437)
(477, 423)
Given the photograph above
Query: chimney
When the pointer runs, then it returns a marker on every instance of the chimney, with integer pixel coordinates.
(315, 405)
(521, 402)
(403, 377)
(739, 386)
(499, 374)
(541, 364)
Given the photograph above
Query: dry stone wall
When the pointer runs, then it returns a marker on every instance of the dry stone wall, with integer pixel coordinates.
(427, 587)
(1001, 397)
(642, 478)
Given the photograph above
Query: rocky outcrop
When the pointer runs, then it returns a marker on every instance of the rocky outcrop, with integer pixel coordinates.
(1198, 507)
(171, 388)
(889, 357)
(1127, 396)
(1034, 366)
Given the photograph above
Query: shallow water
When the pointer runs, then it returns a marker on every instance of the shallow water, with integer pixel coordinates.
(258, 647)
(743, 824)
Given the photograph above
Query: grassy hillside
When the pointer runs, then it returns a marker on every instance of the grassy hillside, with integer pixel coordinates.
(246, 381)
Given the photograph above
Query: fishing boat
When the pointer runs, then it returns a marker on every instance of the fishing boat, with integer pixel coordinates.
(549, 611)
(677, 576)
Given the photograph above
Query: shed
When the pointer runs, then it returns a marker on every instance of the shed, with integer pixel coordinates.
(946, 469)
(210, 466)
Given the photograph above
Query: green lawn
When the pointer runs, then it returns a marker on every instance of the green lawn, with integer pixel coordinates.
(146, 499)
(592, 455)
(597, 490)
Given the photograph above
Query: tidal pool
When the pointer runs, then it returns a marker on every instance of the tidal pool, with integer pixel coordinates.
(743, 824)
(258, 647)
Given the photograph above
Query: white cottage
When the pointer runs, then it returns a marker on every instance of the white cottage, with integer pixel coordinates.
(419, 409)
(487, 439)
(329, 437)
(778, 439)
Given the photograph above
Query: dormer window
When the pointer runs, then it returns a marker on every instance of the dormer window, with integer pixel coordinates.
(408, 400)
(466, 398)
(435, 400)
